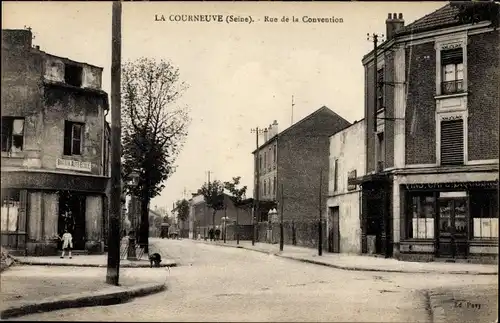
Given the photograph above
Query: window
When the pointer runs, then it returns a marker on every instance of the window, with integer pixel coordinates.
(72, 138)
(73, 75)
(10, 210)
(265, 188)
(452, 142)
(380, 89)
(265, 160)
(275, 156)
(452, 71)
(421, 216)
(260, 162)
(380, 152)
(12, 134)
(274, 186)
(484, 214)
(335, 175)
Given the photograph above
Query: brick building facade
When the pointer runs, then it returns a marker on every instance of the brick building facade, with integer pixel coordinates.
(293, 161)
(54, 172)
(431, 183)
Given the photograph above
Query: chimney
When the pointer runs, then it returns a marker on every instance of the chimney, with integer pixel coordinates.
(393, 24)
(265, 135)
(275, 127)
(17, 38)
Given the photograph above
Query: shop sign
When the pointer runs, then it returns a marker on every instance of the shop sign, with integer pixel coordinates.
(351, 177)
(71, 164)
(454, 185)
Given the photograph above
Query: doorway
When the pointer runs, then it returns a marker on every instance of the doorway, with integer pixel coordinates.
(453, 226)
(72, 207)
(334, 232)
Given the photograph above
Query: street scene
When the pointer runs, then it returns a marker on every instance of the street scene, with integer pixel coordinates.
(214, 283)
(192, 163)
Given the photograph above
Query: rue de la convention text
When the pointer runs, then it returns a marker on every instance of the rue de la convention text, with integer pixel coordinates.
(229, 19)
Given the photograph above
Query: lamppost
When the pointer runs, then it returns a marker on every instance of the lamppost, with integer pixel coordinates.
(272, 215)
(131, 254)
(224, 228)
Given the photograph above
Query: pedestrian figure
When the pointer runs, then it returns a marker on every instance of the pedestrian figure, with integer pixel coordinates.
(211, 234)
(217, 234)
(67, 240)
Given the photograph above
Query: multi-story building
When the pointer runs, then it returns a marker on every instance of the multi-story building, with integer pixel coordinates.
(53, 169)
(294, 160)
(431, 183)
(347, 162)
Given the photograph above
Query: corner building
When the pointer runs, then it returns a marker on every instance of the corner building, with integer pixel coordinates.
(431, 186)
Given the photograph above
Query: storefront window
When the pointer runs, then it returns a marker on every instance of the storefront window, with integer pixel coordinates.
(484, 213)
(421, 216)
(10, 207)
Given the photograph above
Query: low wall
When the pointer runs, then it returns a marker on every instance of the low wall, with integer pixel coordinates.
(304, 234)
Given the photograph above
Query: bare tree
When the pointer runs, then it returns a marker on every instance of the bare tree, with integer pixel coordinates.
(154, 129)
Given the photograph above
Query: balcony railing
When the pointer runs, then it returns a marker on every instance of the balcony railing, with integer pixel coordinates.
(451, 87)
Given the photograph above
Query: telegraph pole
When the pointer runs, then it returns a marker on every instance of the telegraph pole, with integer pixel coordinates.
(257, 132)
(282, 238)
(293, 104)
(375, 38)
(320, 224)
(113, 267)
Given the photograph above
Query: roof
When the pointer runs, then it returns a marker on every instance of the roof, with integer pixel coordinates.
(322, 109)
(445, 16)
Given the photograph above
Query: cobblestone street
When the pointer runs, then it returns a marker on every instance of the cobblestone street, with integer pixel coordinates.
(227, 284)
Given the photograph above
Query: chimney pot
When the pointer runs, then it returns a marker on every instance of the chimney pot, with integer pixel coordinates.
(395, 16)
(400, 15)
(389, 16)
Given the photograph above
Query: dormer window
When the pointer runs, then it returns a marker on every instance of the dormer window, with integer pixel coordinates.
(73, 74)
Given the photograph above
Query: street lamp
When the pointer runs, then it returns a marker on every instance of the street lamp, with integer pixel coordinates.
(224, 223)
(273, 213)
(131, 252)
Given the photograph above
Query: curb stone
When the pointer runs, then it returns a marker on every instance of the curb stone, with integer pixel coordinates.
(48, 263)
(315, 262)
(110, 296)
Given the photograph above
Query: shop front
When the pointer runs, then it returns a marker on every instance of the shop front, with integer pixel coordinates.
(449, 221)
(37, 207)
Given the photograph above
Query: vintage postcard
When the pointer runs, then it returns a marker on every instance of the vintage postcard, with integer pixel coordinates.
(250, 161)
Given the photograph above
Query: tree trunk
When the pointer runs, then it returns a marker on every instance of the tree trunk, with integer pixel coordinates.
(213, 218)
(144, 227)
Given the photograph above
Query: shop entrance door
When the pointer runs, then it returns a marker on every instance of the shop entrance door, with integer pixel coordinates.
(453, 227)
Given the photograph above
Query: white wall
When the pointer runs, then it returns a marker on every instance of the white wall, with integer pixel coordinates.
(348, 147)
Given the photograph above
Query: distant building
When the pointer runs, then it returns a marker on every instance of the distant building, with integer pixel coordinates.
(347, 162)
(53, 169)
(294, 160)
(201, 218)
(431, 184)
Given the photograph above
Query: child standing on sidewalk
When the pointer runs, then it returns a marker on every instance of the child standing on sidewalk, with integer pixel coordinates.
(67, 240)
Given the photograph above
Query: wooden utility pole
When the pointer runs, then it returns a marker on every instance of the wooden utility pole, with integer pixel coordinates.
(257, 132)
(282, 238)
(113, 267)
(293, 104)
(320, 224)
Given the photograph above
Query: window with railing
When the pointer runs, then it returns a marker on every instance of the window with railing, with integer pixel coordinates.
(452, 69)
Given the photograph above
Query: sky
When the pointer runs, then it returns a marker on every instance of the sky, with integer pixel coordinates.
(240, 75)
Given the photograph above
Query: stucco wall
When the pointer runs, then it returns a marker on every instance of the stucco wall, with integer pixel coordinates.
(349, 221)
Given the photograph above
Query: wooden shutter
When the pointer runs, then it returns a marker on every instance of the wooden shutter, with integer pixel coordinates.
(452, 142)
(451, 56)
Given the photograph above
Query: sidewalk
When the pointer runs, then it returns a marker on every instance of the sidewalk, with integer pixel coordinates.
(30, 289)
(359, 262)
(89, 261)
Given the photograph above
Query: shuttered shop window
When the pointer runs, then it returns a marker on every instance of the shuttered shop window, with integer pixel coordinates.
(452, 142)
